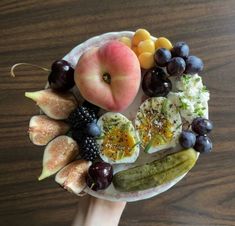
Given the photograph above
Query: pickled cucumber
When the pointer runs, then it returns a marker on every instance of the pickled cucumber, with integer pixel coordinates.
(155, 173)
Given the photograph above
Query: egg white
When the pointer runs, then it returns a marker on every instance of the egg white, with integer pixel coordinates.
(120, 120)
(155, 105)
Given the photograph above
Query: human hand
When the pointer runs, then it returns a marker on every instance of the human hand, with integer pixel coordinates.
(98, 212)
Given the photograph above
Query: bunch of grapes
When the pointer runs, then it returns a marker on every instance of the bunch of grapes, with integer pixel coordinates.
(197, 138)
(177, 60)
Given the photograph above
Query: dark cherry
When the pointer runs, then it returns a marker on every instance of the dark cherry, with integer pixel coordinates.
(61, 77)
(100, 176)
(155, 83)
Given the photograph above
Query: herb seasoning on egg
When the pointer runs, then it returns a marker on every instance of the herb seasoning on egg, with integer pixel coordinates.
(120, 143)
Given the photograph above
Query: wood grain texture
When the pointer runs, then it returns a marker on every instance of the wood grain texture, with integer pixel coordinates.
(41, 31)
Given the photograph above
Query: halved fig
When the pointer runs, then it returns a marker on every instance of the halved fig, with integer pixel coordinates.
(53, 104)
(73, 176)
(58, 153)
(42, 129)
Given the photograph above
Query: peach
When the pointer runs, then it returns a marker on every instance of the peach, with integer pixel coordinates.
(109, 76)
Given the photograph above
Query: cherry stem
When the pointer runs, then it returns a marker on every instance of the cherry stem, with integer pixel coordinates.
(81, 194)
(92, 185)
(26, 64)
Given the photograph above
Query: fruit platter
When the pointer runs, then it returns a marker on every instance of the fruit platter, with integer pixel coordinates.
(123, 116)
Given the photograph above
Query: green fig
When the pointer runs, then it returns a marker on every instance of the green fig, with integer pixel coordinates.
(53, 104)
(58, 153)
(73, 176)
(42, 129)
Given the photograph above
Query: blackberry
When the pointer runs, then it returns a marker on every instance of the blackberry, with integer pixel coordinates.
(91, 107)
(89, 149)
(78, 135)
(80, 117)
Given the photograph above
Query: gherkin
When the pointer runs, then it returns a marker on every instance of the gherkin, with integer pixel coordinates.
(155, 173)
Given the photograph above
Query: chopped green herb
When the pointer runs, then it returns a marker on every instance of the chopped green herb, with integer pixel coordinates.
(157, 138)
(197, 80)
(178, 126)
(125, 126)
(183, 105)
(100, 138)
(161, 139)
(199, 111)
(186, 79)
(148, 146)
(123, 154)
(135, 145)
(204, 89)
(164, 106)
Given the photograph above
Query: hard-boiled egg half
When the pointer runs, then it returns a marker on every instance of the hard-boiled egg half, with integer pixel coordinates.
(158, 124)
(119, 142)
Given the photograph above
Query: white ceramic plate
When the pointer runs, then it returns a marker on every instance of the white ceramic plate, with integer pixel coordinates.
(111, 193)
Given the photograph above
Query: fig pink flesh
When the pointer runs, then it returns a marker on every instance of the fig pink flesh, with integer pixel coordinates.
(42, 129)
(72, 177)
(58, 153)
(53, 104)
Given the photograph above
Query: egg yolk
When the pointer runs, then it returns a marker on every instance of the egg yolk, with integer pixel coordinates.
(156, 130)
(118, 144)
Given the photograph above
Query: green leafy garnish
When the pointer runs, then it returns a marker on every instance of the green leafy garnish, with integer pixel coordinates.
(199, 111)
(157, 138)
(148, 146)
(197, 80)
(125, 126)
(186, 79)
(134, 145)
(178, 126)
(183, 105)
(204, 89)
(100, 138)
(164, 106)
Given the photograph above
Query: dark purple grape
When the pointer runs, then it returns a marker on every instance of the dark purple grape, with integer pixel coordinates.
(61, 77)
(203, 144)
(92, 129)
(193, 65)
(162, 56)
(187, 139)
(180, 49)
(176, 66)
(202, 126)
(100, 176)
(155, 83)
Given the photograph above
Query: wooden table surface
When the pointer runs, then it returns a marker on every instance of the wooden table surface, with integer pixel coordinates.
(41, 31)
